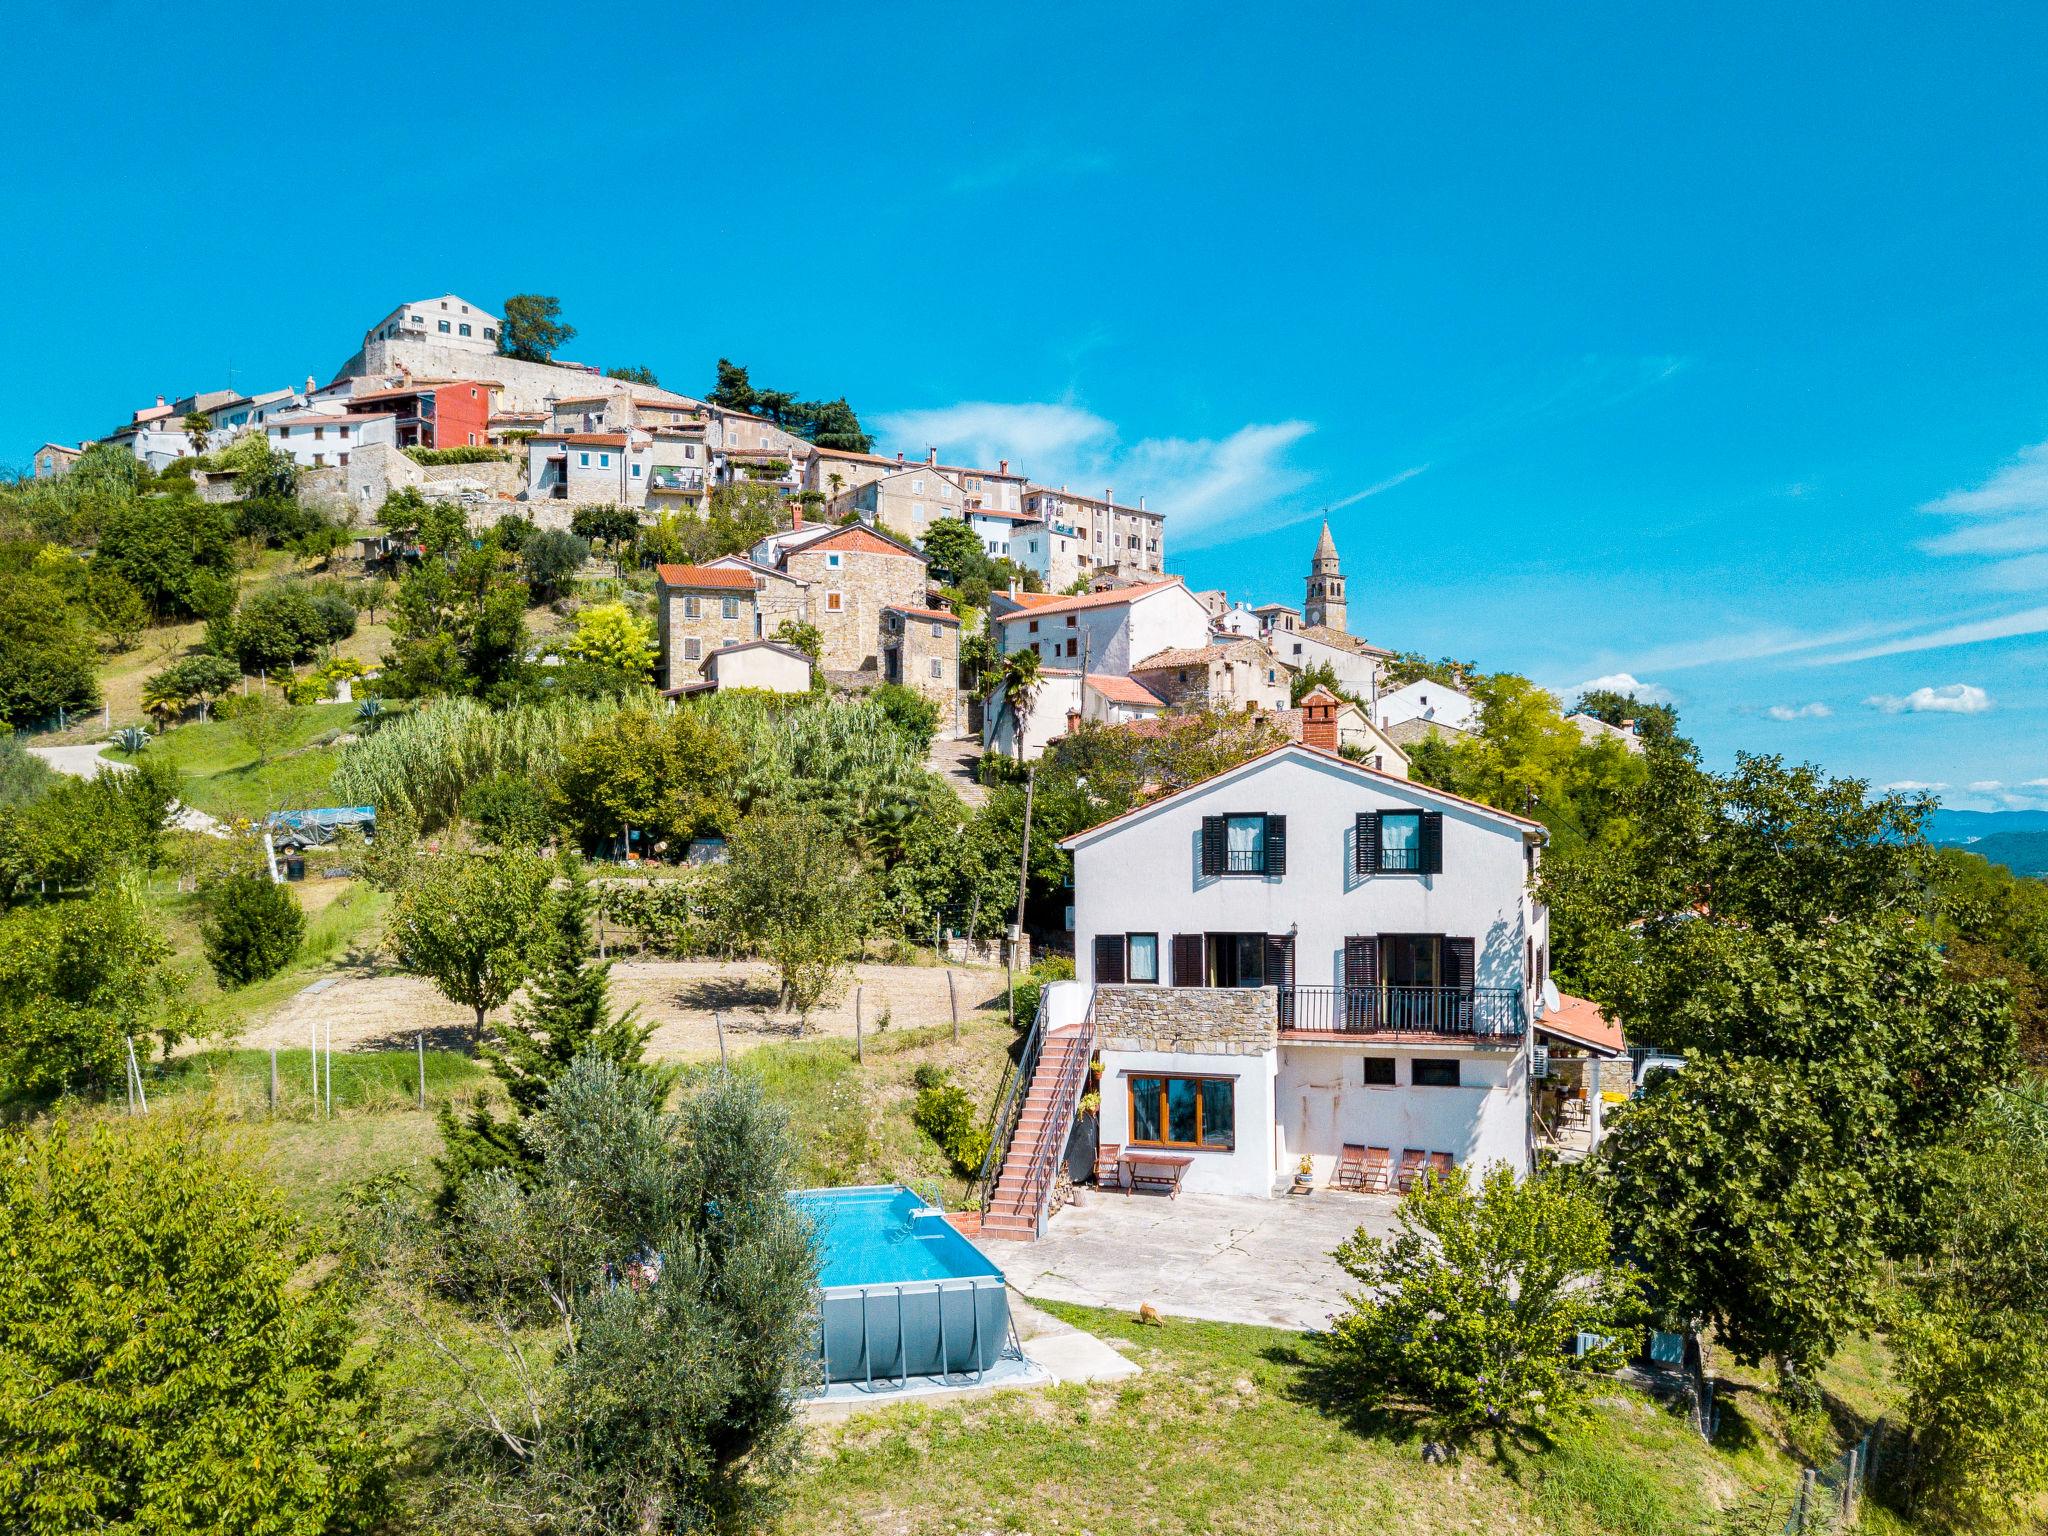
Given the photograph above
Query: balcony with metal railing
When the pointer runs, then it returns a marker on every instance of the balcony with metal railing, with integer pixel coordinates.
(1480, 1014)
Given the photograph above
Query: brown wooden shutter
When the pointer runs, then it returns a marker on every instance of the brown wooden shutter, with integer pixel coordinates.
(1366, 855)
(1109, 958)
(1460, 962)
(1276, 845)
(1361, 981)
(1432, 842)
(1212, 846)
(1188, 954)
(1280, 973)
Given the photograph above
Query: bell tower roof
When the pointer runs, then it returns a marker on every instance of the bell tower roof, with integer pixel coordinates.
(1326, 547)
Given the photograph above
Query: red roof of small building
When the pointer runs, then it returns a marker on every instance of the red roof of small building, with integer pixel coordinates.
(1583, 1023)
(1109, 599)
(923, 613)
(1119, 689)
(714, 578)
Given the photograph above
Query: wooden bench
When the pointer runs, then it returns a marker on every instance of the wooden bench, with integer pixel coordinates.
(1108, 1166)
(1154, 1170)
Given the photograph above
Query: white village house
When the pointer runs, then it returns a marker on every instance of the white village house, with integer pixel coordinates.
(1301, 954)
(1431, 703)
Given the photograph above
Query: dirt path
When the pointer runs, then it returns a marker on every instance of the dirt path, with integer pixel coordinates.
(82, 760)
(954, 762)
(374, 1008)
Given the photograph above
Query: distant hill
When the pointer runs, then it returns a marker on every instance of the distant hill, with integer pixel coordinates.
(2024, 853)
(1946, 826)
(2016, 839)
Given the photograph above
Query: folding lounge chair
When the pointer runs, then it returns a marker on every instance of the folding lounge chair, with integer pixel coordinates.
(1350, 1168)
(1441, 1163)
(1379, 1169)
(1414, 1163)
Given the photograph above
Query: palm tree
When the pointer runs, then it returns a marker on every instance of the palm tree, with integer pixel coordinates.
(1019, 681)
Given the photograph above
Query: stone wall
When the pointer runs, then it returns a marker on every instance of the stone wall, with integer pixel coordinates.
(916, 649)
(1200, 1021)
(375, 470)
(709, 627)
(865, 583)
(522, 386)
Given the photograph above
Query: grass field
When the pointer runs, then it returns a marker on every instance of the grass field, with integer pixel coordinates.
(1230, 1429)
(224, 778)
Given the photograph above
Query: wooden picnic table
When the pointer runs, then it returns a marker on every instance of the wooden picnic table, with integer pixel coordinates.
(1152, 1170)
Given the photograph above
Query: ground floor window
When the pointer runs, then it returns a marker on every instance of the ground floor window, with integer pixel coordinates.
(1184, 1112)
(1434, 1074)
(1379, 1071)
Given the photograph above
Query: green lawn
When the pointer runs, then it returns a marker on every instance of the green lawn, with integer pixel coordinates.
(1229, 1430)
(224, 778)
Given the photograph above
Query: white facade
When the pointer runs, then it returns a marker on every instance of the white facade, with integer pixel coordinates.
(1104, 700)
(1050, 551)
(760, 664)
(1439, 966)
(450, 321)
(1357, 673)
(1107, 631)
(319, 439)
(1424, 699)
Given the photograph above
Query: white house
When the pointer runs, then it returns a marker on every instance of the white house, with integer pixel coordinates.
(1050, 550)
(319, 439)
(1106, 631)
(1355, 664)
(1061, 698)
(1433, 702)
(1301, 954)
(450, 320)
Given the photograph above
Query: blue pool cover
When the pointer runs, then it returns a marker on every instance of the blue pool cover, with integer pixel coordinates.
(900, 1292)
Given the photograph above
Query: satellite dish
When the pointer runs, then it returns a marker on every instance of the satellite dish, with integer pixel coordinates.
(1547, 1001)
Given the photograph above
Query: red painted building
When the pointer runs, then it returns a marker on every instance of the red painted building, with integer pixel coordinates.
(453, 413)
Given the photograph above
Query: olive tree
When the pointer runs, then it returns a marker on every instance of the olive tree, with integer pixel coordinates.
(467, 921)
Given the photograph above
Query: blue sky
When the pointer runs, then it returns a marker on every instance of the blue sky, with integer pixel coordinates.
(1707, 349)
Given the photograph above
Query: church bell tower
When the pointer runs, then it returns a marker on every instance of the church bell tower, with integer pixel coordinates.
(1325, 603)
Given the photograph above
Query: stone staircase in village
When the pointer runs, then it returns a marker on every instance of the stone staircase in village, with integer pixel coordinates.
(1037, 1147)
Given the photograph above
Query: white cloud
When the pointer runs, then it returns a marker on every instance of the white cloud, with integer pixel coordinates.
(1986, 787)
(1950, 699)
(2022, 486)
(1040, 438)
(1914, 787)
(1814, 711)
(1623, 682)
(1202, 484)
(2027, 621)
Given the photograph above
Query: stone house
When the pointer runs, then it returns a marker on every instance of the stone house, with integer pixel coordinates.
(703, 609)
(852, 575)
(761, 665)
(1113, 538)
(778, 596)
(1226, 674)
(55, 459)
(909, 499)
(921, 650)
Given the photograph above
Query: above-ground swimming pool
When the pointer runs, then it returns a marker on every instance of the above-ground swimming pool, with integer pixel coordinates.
(900, 1292)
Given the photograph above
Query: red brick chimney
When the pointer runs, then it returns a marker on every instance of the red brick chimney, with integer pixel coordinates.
(1319, 718)
(1002, 466)
(931, 456)
(796, 517)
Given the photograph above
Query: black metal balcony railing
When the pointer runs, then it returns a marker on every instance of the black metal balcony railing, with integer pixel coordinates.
(1466, 1012)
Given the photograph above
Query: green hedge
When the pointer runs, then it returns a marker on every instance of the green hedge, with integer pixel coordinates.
(463, 455)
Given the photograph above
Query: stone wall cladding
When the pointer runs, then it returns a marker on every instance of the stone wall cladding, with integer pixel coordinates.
(1196, 1021)
(522, 386)
(916, 650)
(711, 628)
(867, 583)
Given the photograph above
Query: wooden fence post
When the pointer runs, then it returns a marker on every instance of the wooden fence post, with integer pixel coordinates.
(423, 1068)
(953, 1002)
(859, 1053)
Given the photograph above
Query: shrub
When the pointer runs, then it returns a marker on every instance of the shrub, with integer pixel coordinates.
(550, 558)
(945, 1112)
(509, 810)
(169, 1360)
(916, 716)
(252, 928)
(289, 623)
(461, 454)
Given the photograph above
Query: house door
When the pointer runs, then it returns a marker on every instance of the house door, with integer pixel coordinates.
(1237, 959)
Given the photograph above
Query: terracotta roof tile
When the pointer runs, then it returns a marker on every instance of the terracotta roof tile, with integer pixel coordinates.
(1109, 599)
(1583, 1023)
(706, 576)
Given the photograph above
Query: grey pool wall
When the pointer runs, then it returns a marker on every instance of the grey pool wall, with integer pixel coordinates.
(889, 1332)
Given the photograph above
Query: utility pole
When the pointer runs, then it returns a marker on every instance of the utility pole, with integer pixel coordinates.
(1023, 872)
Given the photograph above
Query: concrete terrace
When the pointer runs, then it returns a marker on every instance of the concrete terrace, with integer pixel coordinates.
(1227, 1258)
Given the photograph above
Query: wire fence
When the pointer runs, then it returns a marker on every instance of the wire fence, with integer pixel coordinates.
(314, 1081)
(1830, 1498)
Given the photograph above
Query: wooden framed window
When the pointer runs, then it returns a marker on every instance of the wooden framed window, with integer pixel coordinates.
(1399, 843)
(1244, 845)
(1144, 956)
(1199, 1113)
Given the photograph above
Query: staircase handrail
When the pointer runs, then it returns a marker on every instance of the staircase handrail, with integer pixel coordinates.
(1009, 1107)
(1059, 1125)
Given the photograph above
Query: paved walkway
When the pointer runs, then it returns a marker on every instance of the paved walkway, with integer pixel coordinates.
(1228, 1258)
(82, 760)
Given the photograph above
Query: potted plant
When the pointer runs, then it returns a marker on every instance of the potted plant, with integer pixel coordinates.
(1304, 1175)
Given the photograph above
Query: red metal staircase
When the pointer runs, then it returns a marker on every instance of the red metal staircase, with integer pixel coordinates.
(1015, 1207)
